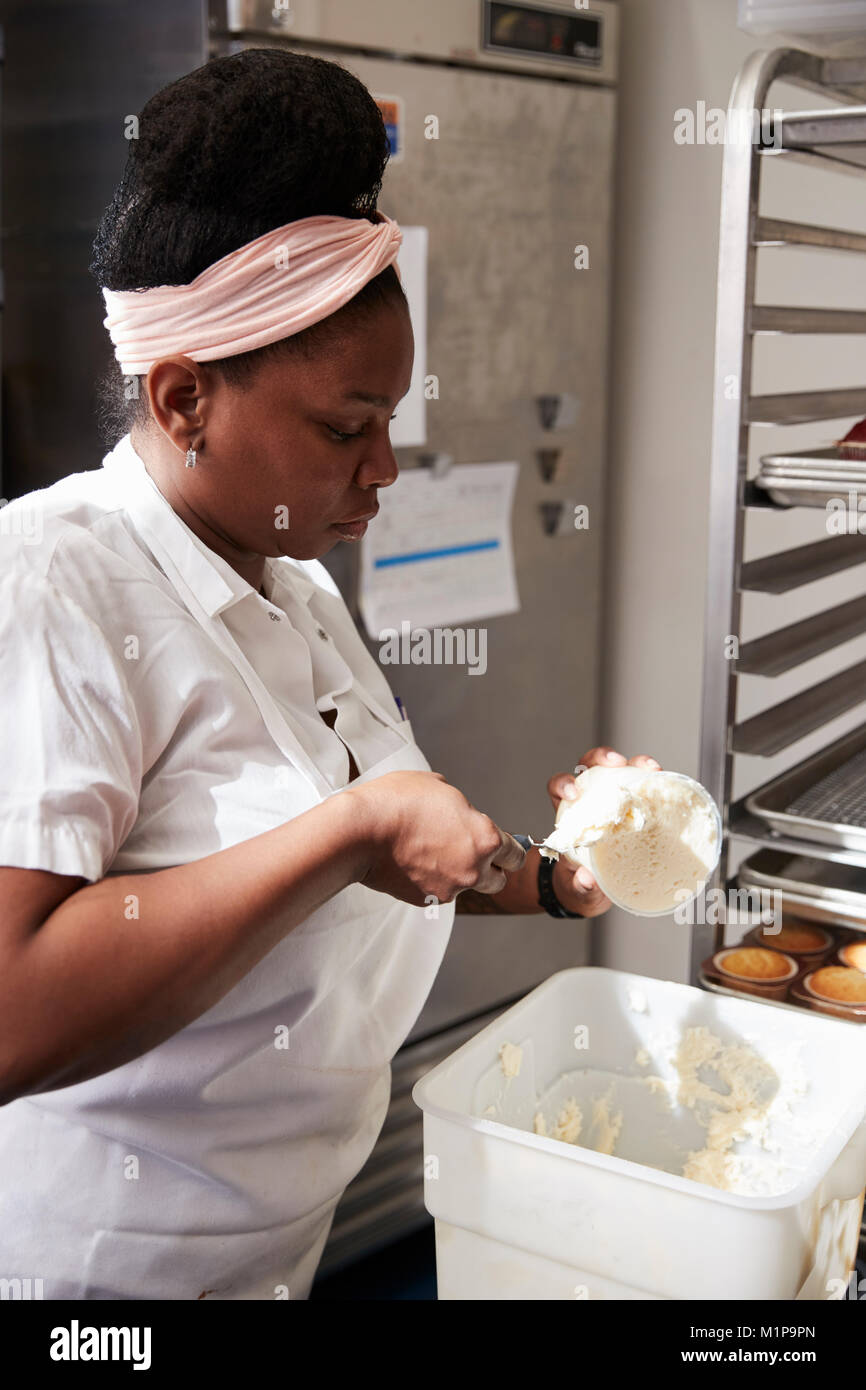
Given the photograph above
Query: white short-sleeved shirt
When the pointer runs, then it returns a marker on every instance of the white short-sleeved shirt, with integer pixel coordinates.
(103, 591)
(156, 709)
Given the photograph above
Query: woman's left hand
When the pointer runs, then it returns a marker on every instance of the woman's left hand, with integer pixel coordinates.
(576, 888)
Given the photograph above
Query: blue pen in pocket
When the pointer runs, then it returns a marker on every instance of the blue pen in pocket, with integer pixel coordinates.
(401, 707)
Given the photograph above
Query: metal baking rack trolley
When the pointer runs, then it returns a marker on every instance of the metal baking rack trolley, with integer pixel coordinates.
(804, 831)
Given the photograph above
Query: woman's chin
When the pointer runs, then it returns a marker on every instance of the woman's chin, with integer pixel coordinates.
(311, 549)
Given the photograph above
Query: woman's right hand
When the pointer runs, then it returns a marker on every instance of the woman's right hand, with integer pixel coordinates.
(421, 838)
(73, 1004)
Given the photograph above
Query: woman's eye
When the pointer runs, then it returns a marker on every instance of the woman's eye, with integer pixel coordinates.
(343, 434)
(347, 434)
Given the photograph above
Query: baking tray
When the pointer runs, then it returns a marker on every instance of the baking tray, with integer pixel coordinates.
(771, 1003)
(805, 492)
(806, 470)
(845, 803)
(819, 459)
(817, 890)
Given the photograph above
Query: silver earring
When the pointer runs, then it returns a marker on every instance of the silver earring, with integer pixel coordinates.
(190, 458)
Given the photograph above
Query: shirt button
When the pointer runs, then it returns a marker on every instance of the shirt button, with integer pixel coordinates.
(274, 617)
(322, 633)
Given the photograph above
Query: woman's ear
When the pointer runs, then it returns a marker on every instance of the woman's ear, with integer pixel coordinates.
(179, 391)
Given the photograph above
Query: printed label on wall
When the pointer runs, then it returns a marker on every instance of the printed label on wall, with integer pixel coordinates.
(392, 115)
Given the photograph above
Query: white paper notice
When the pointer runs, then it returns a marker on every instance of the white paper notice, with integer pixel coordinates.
(409, 428)
(440, 550)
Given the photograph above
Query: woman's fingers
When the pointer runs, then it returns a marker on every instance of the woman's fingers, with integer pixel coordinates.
(579, 891)
(603, 757)
(491, 880)
(510, 855)
(561, 786)
(507, 859)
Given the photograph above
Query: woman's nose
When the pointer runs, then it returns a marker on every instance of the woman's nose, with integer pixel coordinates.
(379, 467)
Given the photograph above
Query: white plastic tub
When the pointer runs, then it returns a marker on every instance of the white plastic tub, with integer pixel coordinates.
(519, 1216)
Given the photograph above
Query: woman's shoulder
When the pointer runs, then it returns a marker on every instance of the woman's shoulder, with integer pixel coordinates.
(74, 537)
(31, 526)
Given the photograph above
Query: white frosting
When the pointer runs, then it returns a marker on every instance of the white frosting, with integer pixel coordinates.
(603, 802)
(741, 1111)
(510, 1058)
(569, 1123)
(605, 1127)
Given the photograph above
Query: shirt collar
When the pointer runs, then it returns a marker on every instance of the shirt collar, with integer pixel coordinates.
(293, 573)
(211, 579)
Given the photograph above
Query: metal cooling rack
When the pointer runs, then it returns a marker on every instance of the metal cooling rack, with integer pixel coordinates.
(839, 798)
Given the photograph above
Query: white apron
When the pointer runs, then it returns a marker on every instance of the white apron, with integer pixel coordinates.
(211, 1166)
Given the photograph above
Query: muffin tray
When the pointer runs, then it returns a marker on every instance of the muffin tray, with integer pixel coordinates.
(770, 1003)
(709, 984)
(822, 799)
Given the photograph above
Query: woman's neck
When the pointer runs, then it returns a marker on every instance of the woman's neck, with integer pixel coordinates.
(159, 458)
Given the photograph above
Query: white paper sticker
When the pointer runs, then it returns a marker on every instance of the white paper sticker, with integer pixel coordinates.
(440, 550)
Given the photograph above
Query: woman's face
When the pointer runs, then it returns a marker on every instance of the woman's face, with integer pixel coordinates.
(291, 463)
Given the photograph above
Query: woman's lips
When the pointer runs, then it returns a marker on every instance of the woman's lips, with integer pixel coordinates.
(353, 530)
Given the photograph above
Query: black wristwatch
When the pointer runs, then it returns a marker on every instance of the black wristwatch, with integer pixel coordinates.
(546, 895)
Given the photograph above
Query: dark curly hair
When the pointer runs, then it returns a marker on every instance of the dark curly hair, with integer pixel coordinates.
(228, 152)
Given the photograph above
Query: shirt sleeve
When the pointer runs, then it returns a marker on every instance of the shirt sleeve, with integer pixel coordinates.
(70, 743)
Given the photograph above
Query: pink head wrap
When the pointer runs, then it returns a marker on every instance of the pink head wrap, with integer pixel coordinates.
(271, 288)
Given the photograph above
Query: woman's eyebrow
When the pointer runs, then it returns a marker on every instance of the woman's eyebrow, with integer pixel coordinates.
(369, 399)
(366, 397)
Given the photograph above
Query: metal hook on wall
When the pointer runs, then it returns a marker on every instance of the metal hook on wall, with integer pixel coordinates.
(438, 463)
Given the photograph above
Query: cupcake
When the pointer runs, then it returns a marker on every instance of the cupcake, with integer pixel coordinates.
(799, 939)
(854, 955)
(853, 446)
(837, 984)
(754, 963)
(752, 970)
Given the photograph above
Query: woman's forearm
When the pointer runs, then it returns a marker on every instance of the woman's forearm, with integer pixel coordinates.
(124, 963)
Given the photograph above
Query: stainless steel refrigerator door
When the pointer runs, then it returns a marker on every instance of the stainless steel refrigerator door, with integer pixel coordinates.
(519, 176)
(449, 30)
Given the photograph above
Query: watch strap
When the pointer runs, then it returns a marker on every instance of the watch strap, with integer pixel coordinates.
(546, 893)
